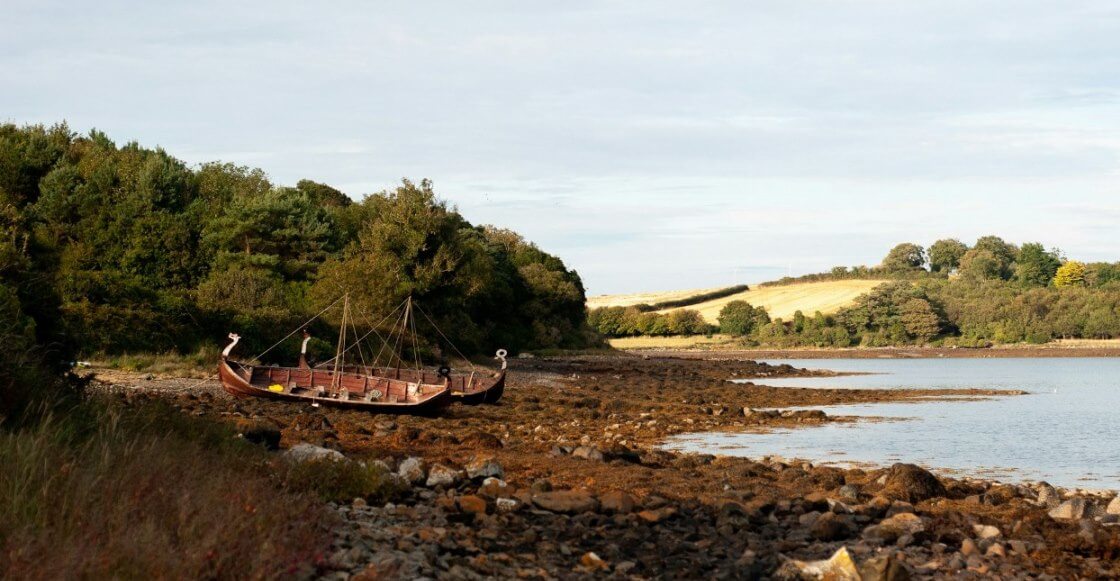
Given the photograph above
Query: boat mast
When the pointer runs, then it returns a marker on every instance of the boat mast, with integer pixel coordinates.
(340, 352)
(404, 329)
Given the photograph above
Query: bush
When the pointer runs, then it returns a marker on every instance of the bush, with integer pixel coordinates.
(342, 480)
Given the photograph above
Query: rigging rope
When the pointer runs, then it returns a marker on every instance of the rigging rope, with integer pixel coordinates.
(436, 327)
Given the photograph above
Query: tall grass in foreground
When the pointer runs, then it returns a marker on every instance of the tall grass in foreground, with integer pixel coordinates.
(106, 492)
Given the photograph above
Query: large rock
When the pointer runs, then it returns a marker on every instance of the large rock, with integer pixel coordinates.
(484, 467)
(1048, 496)
(412, 470)
(304, 452)
(1113, 507)
(839, 567)
(441, 475)
(1075, 508)
(883, 568)
(830, 527)
(911, 483)
(618, 502)
(566, 501)
(890, 529)
(588, 453)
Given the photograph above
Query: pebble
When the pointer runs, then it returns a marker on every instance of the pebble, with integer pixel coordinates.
(440, 475)
(412, 470)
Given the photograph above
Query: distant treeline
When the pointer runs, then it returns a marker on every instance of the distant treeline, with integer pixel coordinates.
(107, 248)
(952, 294)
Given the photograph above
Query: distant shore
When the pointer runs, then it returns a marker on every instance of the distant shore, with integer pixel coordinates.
(1072, 348)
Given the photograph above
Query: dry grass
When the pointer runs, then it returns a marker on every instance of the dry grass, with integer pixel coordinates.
(198, 364)
(1086, 343)
(150, 493)
(644, 298)
(784, 301)
(674, 342)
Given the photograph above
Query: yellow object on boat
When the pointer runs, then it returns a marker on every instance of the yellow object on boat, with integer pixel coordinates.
(276, 387)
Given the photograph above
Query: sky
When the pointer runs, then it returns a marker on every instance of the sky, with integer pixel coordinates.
(652, 145)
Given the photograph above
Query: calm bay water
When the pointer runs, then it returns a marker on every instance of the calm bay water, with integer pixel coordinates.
(1065, 431)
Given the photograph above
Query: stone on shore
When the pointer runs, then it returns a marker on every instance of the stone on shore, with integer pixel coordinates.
(441, 475)
(566, 501)
(1048, 496)
(1072, 509)
(617, 501)
(911, 483)
(840, 567)
(412, 470)
(587, 453)
(1113, 507)
(304, 452)
(484, 467)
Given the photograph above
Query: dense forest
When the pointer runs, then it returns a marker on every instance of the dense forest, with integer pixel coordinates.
(107, 248)
(948, 294)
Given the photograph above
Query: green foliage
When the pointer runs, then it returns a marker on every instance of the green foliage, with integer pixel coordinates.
(739, 318)
(632, 321)
(1002, 252)
(1071, 273)
(945, 255)
(344, 480)
(905, 256)
(1035, 266)
(126, 249)
(981, 264)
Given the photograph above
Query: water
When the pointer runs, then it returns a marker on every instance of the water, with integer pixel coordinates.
(1065, 431)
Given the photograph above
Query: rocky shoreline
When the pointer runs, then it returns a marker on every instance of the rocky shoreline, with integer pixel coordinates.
(566, 479)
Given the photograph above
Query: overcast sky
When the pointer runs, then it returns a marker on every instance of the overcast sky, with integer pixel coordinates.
(652, 145)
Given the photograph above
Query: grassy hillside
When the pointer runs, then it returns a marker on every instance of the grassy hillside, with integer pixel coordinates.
(783, 301)
(648, 298)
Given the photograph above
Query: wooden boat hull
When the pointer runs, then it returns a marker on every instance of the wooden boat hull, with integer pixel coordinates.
(241, 384)
(487, 395)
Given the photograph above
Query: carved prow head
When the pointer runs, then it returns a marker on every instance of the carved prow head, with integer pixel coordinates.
(303, 351)
(234, 338)
(501, 356)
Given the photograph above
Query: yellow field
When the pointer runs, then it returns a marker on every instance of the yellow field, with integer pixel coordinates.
(674, 342)
(643, 298)
(779, 301)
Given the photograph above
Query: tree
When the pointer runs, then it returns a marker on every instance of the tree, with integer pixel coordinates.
(739, 318)
(1003, 252)
(686, 322)
(1035, 266)
(904, 257)
(945, 255)
(919, 319)
(980, 264)
(1070, 274)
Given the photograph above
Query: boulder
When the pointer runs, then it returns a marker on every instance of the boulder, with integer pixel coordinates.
(830, 527)
(1113, 507)
(472, 504)
(617, 501)
(588, 453)
(506, 505)
(1048, 496)
(986, 532)
(495, 488)
(892, 528)
(412, 470)
(840, 566)
(304, 452)
(484, 467)
(566, 501)
(849, 493)
(911, 483)
(883, 568)
(441, 475)
(593, 562)
(1072, 509)
(657, 515)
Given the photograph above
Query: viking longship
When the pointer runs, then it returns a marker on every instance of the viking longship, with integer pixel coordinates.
(389, 388)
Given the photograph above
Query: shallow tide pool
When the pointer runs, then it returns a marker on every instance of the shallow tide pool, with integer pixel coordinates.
(1065, 431)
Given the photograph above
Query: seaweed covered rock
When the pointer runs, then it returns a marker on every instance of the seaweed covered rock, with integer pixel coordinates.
(911, 483)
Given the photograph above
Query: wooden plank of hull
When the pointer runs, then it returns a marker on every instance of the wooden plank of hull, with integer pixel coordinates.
(488, 395)
(238, 385)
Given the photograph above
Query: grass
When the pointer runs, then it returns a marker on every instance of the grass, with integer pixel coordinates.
(644, 298)
(780, 301)
(198, 364)
(113, 492)
(676, 342)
